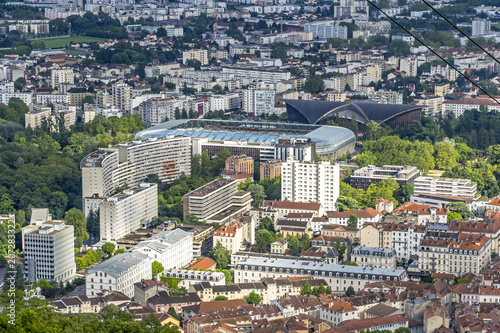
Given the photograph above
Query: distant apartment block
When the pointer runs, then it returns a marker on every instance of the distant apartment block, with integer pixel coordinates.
(258, 101)
(480, 27)
(326, 29)
(49, 251)
(364, 177)
(200, 55)
(445, 186)
(61, 75)
(127, 211)
(457, 108)
(240, 163)
(386, 97)
(44, 116)
(217, 201)
(121, 95)
(270, 169)
(432, 105)
(303, 150)
(374, 257)
(103, 171)
(118, 273)
(310, 182)
(258, 151)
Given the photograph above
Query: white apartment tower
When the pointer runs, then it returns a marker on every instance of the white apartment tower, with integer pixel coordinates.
(127, 211)
(258, 101)
(62, 75)
(480, 27)
(121, 94)
(200, 55)
(326, 29)
(310, 182)
(49, 251)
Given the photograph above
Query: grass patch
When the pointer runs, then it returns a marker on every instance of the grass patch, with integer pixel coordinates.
(56, 43)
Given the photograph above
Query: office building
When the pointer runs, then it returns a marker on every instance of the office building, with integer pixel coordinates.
(121, 94)
(326, 29)
(118, 273)
(258, 101)
(200, 55)
(49, 251)
(480, 28)
(303, 150)
(338, 277)
(171, 248)
(445, 186)
(270, 169)
(127, 211)
(374, 257)
(310, 182)
(217, 201)
(240, 163)
(103, 171)
(364, 177)
(61, 75)
(467, 253)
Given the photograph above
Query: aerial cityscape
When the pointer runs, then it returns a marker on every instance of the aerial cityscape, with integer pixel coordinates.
(237, 166)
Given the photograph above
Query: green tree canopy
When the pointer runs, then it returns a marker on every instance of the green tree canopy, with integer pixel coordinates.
(220, 255)
(253, 298)
(108, 248)
(157, 268)
(76, 218)
(314, 85)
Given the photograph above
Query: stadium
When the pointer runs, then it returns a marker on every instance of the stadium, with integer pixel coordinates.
(331, 141)
(313, 112)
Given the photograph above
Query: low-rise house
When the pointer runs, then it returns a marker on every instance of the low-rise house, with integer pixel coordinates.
(190, 277)
(337, 312)
(279, 246)
(367, 215)
(162, 301)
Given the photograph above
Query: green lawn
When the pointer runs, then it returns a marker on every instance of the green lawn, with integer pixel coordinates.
(63, 41)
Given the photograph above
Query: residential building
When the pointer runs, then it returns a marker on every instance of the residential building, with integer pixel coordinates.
(217, 201)
(386, 96)
(338, 311)
(282, 208)
(78, 304)
(445, 186)
(251, 74)
(326, 29)
(374, 257)
(338, 277)
(480, 28)
(49, 251)
(310, 182)
(364, 177)
(390, 323)
(270, 169)
(103, 171)
(294, 227)
(162, 301)
(237, 235)
(240, 163)
(54, 120)
(171, 248)
(202, 238)
(127, 211)
(269, 289)
(200, 55)
(61, 75)
(433, 105)
(367, 215)
(317, 223)
(121, 94)
(155, 111)
(118, 273)
(77, 95)
(303, 150)
(279, 246)
(421, 214)
(145, 289)
(489, 227)
(468, 254)
(458, 107)
(258, 101)
(191, 277)
(336, 230)
(384, 206)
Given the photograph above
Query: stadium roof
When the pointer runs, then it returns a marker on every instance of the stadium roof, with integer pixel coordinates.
(311, 112)
(327, 138)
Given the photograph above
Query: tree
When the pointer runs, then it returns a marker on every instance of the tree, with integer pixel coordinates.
(314, 85)
(347, 203)
(353, 221)
(220, 255)
(253, 298)
(382, 190)
(263, 238)
(398, 48)
(194, 63)
(161, 32)
(405, 192)
(258, 194)
(279, 52)
(76, 218)
(350, 291)
(220, 298)
(6, 204)
(229, 277)
(108, 248)
(350, 263)
(88, 100)
(445, 156)
(402, 330)
(112, 311)
(157, 268)
(306, 289)
(267, 223)
(453, 216)
(460, 208)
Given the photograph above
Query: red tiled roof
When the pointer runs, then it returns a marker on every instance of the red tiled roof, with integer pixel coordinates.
(292, 205)
(361, 213)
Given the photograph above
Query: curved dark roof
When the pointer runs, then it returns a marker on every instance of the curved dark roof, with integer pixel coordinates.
(311, 112)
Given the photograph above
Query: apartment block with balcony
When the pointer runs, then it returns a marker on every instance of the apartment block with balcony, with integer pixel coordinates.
(217, 201)
(364, 177)
(445, 186)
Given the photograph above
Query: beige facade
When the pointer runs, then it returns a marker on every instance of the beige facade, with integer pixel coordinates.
(270, 169)
(374, 257)
(121, 94)
(61, 75)
(241, 163)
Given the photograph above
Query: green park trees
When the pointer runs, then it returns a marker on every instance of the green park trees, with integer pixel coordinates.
(220, 255)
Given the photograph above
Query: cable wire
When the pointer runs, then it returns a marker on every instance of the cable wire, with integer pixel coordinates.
(463, 33)
(439, 56)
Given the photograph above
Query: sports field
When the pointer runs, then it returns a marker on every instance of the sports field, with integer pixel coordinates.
(55, 43)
